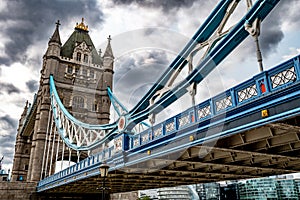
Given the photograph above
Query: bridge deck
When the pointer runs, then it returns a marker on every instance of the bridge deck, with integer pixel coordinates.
(263, 151)
(268, 150)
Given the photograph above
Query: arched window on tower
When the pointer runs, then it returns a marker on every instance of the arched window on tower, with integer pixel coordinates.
(84, 72)
(70, 69)
(85, 58)
(78, 102)
(77, 69)
(78, 56)
(92, 73)
(95, 107)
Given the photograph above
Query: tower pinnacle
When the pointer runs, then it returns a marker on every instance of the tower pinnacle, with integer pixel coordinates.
(57, 24)
(55, 37)
(108, 51)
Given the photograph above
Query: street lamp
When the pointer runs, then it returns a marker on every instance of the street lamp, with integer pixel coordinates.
(104, 172)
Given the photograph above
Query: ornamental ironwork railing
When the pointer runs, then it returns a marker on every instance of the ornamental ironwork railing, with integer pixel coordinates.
(284, 77)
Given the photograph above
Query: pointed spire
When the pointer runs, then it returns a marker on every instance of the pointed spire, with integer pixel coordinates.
(108, 51)
(26, 107)
(24, 113)
(55, 37)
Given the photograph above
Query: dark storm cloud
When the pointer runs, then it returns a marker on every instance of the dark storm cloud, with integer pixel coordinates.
(33, 20)
(32, 85)
(137, 72)
(7, 137)
(271, 33)
(7, 148)
(155, 58)
(7, 122)
(9, 88)
(166, 5)
(7, 143)
(289, 12)
(150, 62)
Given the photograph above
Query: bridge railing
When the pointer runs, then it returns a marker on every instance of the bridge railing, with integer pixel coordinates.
(260, 85)
(277, 78)
(76, 168)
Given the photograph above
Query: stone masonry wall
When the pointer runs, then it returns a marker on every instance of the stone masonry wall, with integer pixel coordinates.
(16, 190)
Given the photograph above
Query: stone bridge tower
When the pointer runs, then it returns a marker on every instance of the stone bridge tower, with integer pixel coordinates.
(81, 76)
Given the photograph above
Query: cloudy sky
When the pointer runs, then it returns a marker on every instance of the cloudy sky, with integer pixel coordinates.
(146, 36)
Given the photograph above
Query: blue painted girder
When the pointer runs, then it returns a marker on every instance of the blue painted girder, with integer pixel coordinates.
(112, 127)
(141, 111)
(202, 34)
(117, 105)
(259, 11)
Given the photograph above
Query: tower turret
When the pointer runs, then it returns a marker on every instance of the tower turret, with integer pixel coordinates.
(54, 44)
(108, 64)
(24, 113)
(52, 55)
(22, 149)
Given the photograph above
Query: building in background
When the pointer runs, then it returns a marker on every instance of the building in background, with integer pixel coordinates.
(4, 176)
(152, 194)
(269, 188)
(287, 189)
(264, 188)
(174, 193)
(209, 191)
(277, 187)
(229, 190)
(124, 196)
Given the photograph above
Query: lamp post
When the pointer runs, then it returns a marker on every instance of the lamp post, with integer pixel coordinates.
(104, 172)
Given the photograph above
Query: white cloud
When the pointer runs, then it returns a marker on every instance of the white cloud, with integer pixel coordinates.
(291, 15)
(3, 5)
(293, 52)
(18, 74)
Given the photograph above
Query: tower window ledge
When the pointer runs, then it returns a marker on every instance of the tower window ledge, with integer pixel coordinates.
(85, 64)
(95, 66)
(68, 75)
(91, 80)
(80, 111)
(83, 77)
(65, 58)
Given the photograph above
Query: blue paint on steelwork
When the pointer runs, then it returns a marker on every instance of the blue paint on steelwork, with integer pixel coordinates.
(223, 108)
(54, 94)
(278, 96)
(142, 110)
(259, 10)
(202, 34)
(115, 101)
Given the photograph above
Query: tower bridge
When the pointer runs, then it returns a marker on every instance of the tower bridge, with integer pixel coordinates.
(258, 136)
(248, 131)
